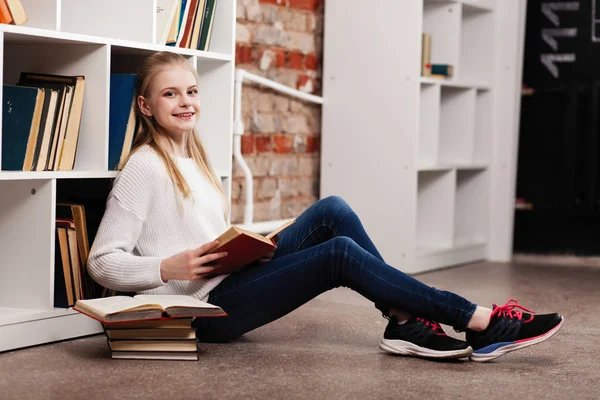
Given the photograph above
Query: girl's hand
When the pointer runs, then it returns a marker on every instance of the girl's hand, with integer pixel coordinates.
(191, 264)
(267, 257)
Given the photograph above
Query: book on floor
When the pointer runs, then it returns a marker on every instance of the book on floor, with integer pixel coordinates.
(175, 323)
(153, 345)
(143, 307)
(244, 247)
(156, 355)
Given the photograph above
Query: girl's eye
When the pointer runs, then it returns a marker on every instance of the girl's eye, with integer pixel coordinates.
(169, 94)
(193, 91)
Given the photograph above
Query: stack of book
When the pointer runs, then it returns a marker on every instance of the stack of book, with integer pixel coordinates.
(185, 23)
(41, 117)
(150, 327)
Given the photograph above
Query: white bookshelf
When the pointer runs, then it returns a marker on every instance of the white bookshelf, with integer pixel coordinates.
(72, 37)
(428, 164)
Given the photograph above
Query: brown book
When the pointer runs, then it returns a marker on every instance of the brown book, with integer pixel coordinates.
(244, 247)
(34, 132)
(17, 11)
(156, 355)
(66, 264)
(195, 35)
(426, 55)
(175, 323)
(153, 345)
(74, 258)
(142, 307)
(151, 334)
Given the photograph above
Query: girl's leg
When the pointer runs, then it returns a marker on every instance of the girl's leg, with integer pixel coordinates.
(259, 294)
(327, 218)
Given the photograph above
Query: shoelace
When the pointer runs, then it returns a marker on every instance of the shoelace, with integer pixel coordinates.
(509, 311)
(434, 326)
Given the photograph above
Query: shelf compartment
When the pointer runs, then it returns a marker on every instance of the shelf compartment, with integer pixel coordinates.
(65, 58)
(442, 21)
(27, 245)
(435, 210)
(129, 20)
(476, 63)
(215, 125)
(429, 124)
(457, 126)
(483, 127)
(471, 208)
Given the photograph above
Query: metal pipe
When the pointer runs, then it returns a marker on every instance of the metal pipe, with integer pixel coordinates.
(238, 131)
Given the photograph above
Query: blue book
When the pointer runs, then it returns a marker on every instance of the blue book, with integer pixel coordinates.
(21, 114)
(122, 87)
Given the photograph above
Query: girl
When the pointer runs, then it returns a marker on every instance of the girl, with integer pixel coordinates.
(167, 200)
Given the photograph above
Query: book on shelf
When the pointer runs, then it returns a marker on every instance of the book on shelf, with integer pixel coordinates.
(185, 23)
(146, 307)
(426, 55)
(445, 70)
(65, 119)
(123, 123)
(71, 262)
(21, 118)
(72, 281)
(12, 12)
(166, 11)
(244, 247)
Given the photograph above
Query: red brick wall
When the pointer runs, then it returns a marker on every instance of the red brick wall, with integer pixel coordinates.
(281, 40)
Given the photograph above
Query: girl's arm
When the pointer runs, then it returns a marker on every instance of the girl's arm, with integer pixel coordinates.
(111, 262)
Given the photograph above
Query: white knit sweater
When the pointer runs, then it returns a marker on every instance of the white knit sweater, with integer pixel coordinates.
(144, 223)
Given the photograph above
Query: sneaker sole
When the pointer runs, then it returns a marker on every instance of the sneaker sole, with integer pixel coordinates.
(481, 356)
(401, 347)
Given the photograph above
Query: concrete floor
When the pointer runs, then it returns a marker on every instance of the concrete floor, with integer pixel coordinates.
(328, 349)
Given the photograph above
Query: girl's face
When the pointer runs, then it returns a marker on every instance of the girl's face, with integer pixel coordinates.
(173, 100)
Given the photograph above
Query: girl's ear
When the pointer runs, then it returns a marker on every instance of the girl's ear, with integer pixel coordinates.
(143, 104)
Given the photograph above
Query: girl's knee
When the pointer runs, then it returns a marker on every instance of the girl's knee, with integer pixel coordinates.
(334, 202)
(344, 244)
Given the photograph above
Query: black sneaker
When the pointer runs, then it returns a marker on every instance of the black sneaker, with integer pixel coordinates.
(511, 330)
(419, 337)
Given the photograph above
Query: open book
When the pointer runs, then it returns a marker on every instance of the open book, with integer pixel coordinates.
(142, 307)
(244, 247)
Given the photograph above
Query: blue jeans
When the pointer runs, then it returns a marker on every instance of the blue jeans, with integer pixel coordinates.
(326, 248)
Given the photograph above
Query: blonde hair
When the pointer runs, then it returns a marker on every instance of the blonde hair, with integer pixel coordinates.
(147, 134)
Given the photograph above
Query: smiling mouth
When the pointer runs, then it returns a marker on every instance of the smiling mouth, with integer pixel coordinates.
(184, 115)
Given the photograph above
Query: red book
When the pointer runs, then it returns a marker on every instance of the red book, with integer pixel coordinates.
(244, 247)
